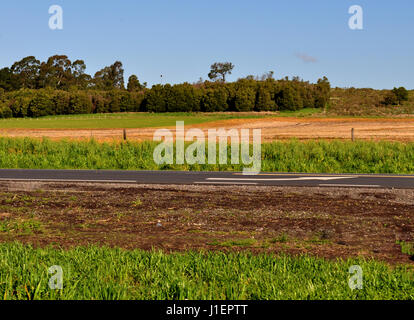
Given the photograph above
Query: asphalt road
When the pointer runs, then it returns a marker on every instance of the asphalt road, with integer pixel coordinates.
(210, 178)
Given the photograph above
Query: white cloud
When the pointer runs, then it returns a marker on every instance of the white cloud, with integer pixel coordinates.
(306, 58)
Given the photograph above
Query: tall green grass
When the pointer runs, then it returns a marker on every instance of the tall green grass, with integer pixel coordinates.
(291, 156)
(103, 273)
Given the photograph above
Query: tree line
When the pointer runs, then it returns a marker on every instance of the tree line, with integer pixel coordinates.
(60, 73)
(30, 88)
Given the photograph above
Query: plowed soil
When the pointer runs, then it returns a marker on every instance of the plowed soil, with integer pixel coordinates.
(324, 222)
(272, 129)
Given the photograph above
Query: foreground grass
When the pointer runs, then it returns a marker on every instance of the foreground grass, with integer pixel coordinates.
(103, 273)
(291, 156)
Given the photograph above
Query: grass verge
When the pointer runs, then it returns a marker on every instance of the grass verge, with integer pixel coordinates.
(292, 156)
(104, 273)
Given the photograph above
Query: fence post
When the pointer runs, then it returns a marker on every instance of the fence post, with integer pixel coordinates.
(125, 135)
(353, 134)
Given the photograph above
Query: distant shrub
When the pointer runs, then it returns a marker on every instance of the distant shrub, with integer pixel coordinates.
(289, 98)
(396, 96)
(155, 99)
(42, 104)
(391, 99)
(366, 101)
(5, 111)
(264, 100)
(215, 100)
(245, 99)
(79, 103)
(401, 93)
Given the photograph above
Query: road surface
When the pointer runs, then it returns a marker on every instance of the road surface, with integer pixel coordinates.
(211, 178)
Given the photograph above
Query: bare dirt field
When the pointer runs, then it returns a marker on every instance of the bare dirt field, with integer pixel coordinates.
(330, 223)
(395, 129)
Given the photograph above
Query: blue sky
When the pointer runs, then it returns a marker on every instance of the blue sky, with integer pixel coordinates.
(180, 39)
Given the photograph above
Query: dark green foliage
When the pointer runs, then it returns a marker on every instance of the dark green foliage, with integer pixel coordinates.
(137, 99)
(79, 103)
(5, 111)
(125, 102)
(155, 99)
(245, 99)
(322, 90)
(114, 101)
(134, 84)
(309, 97)
(215, 100)
(101, 104)
(244, 95)
(41, 105)
(111, 77)
(30, 87)
(18, 102)
(60, 86)
(182, 98)
(264, 100)
(401, 93)
(61, 102)
(170, 96)
(391, 99)
(27, 71)
(8, 80)
(288, 97)
(59, 72)
(396, 97)
(56, 73)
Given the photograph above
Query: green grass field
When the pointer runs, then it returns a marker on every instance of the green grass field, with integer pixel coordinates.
(291, 156)
(148, 120)
(139, 119)
(103, 273)
(117, 120)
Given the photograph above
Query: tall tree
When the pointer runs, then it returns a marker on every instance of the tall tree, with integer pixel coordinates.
(322, 94)
(56, 72)
(220, 69)
(27, 71)
(155, 99)
(8, 80)
(134, 84)
(111, 77)
(264, 101)
(401, 93)
(80, 78)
